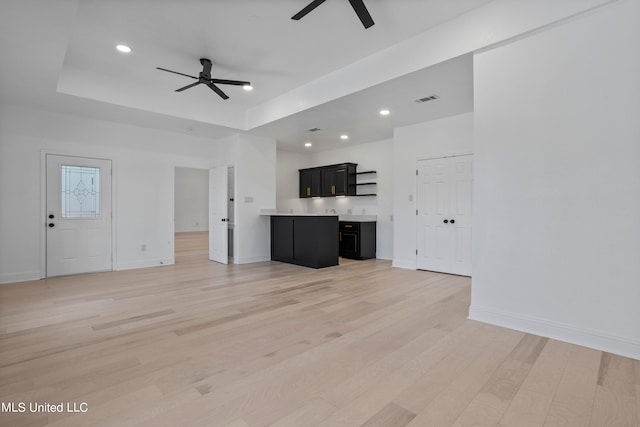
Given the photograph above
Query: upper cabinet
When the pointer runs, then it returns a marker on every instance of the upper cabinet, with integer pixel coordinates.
(328, 181)
(310, 182)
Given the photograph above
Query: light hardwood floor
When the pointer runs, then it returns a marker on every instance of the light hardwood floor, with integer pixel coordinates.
(361, 344)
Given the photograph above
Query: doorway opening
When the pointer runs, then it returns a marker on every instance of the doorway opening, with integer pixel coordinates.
(191, 214)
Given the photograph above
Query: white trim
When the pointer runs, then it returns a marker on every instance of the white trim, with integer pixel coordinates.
(403, 263)
(252, 260)
(443, 156)
(623, 346)
(143, 264)
(19, 277)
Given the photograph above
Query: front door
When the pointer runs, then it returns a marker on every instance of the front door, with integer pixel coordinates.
(78, 215)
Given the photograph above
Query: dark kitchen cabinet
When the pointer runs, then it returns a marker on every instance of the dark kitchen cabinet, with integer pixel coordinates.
(339, 180)
(310, 183)
(357, 239)
(328, 181)
(310, 241)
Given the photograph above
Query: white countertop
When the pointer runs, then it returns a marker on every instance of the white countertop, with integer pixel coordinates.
(294, 214)
(358, 218)
(354, 218)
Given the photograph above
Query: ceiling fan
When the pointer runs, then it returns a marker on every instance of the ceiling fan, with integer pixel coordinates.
(358, 6)
(205, 78)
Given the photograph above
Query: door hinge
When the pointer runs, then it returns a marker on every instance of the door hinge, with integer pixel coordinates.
(416, 211)
(416, 252)
(416, 172)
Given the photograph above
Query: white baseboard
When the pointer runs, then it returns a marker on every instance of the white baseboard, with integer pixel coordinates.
(563, 332)
(403, 263)
(143, 264)
(252, 260)
(20, 277)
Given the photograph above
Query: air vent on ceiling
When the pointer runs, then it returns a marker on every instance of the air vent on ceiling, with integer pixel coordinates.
(427, 99)
(313, 130)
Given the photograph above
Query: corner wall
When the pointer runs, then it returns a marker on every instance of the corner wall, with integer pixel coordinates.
(254, 159)
(556, 238)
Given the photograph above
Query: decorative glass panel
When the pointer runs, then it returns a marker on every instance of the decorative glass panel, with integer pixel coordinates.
(80, 192)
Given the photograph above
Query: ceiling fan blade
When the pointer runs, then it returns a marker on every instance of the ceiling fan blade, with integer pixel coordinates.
(307, 9)
(362, 12)
(206, 66)
(188, 86)
(217, 90)
(175, 72)
(230, 82)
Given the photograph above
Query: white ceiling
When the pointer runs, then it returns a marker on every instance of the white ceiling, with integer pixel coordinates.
(60, 55)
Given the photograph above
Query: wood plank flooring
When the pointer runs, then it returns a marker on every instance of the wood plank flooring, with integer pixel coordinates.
(272, 344)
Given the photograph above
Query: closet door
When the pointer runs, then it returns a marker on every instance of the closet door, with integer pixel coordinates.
(444, 215)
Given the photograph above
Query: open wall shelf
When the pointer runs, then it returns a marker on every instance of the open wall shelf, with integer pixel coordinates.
(363, 185)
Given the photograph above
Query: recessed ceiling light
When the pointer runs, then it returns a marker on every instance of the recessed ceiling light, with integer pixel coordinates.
(385, 112)
(248, 88)
(308, 144)
(344, 136)
(123, 48)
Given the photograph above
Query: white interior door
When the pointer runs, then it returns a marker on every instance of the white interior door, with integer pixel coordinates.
(78, 215)
(461, 173)
(433, 206)
(444, 215)
(218, 220)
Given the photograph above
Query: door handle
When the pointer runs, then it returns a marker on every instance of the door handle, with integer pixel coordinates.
(51, 225)
(453, 221)
(223, 220)
(446, 221)
(51, 216)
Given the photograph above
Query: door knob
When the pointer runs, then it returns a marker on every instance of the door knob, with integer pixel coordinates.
(453, 221)
(446, 221)
(223, 220)
(51, 225)
(51, 216)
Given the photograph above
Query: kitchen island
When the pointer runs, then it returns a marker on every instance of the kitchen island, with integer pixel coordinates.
(310, 240)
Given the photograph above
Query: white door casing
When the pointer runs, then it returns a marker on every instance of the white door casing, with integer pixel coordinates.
(444, 214)
(218, 221)
(78, 215)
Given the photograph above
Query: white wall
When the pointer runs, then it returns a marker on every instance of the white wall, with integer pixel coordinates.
(143, 161)
(191, 199)
(254, 159)
(288, 181)
(557, 182)
(437, 138)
